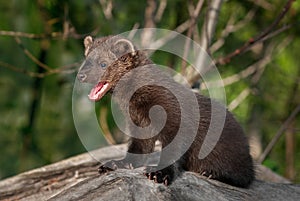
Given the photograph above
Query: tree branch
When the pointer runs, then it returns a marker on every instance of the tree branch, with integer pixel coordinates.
(257, 68)
(196, 76)
(258, 38)
(76, 178)
(278, 134)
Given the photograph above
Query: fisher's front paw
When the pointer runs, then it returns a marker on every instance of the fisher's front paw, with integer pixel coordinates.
(164, 176)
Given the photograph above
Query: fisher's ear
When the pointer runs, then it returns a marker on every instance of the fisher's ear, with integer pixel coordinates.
(88, 41)
(123, 46)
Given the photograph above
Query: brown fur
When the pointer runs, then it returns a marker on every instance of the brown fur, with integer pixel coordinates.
(229, 161)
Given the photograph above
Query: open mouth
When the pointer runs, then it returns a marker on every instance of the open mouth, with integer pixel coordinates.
(99, 90)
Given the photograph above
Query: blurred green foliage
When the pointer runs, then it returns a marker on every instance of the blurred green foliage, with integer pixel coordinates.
(36, 126)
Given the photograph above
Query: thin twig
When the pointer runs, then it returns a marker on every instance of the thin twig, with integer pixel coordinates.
(163, 40)
(255, 79)
(279, 134)
(193, 20)
(209, 26)
(133, 31)
(107, 7)
(239, 76)
(160, 11)
(20, 70)
(31, 57)
(278, 31)
(62, 70)
(147, 34)
(239, 99)
(30, 35)
(104, 125)
(264, 4)
(231, 27)
(206, 37)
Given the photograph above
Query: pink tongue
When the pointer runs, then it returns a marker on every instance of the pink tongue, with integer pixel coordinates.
(98, 91)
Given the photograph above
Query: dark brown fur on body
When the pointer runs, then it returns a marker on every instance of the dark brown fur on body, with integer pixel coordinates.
(111, 59)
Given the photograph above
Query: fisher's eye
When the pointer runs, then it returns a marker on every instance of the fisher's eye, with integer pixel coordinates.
(103, 64)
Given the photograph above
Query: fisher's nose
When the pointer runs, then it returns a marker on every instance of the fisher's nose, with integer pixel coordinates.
(81, 77)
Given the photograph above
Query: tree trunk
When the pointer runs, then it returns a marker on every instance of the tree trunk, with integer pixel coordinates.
(77, 179)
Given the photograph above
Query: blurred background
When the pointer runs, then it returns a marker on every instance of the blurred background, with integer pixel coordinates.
(255, 45)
